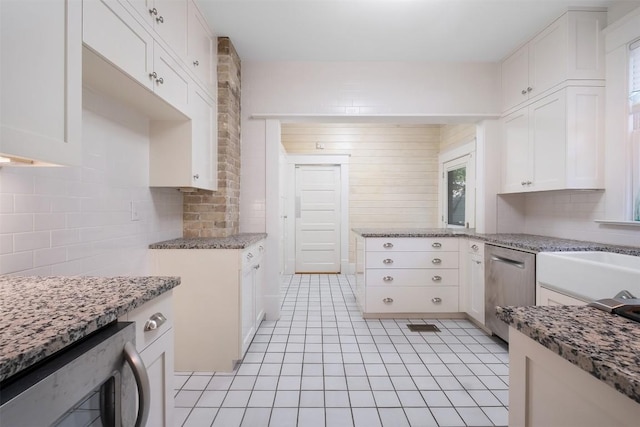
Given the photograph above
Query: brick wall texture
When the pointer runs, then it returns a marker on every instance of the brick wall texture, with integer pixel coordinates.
(217, 214)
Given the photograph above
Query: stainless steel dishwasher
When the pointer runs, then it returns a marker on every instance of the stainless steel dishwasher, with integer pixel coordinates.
(510, 279)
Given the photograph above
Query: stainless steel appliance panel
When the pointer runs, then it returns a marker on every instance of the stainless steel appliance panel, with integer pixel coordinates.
(510, 280)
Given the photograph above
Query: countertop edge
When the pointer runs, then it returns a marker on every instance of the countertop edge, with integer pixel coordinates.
(80, 330)
(594, 366)
(236, 241)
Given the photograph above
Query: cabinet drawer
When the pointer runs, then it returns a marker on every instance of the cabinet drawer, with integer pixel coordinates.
(403, 299)
(394, 244)
(412, 260)
(253, 254)
(163, 304)
(411, 277)
(475, 247)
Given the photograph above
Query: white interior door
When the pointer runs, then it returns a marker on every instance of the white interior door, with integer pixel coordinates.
(317, 199)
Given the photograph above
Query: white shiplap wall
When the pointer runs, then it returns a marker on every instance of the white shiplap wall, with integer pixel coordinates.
(393, 170)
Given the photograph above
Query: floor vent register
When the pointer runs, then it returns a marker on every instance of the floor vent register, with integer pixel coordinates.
(422, 327)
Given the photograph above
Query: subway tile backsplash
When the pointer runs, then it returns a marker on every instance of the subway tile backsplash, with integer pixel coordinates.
(77, 220)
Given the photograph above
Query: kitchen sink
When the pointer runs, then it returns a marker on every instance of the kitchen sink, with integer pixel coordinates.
(590, 275)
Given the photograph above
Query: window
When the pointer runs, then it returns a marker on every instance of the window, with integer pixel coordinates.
(458, 188)
(634, 122)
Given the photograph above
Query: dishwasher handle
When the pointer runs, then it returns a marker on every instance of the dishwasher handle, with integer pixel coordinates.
(511, 262)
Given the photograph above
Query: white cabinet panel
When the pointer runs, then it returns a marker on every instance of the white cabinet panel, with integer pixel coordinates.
(411, 277)
(412, 260)
(109, 31)
(400, 299)
(569, 49)
(405, 244)
(170, 81)
(545, 296)
(204, 141)
(555, 143)
(41, 81)
(476, 287)
(201, 49)
(248, 306)
(158, 360)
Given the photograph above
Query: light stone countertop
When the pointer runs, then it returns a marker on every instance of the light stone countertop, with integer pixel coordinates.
(42, 315)
(236, 241)
(607, 346)
(525, 242)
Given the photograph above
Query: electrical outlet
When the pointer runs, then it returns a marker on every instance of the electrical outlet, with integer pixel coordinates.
(135, 211)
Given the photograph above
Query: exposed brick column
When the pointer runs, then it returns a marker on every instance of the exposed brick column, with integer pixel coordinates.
(217, 214)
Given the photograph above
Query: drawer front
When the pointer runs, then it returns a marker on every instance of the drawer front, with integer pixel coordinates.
(164, 305)
(475, 247)
(253, 254)
(403, 299)
(393, 244)
(412, 277)
(412, 260)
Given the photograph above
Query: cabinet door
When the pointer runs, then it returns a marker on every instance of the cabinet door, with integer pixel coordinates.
(548, 57)
(158, 359)
(41, 80)
(200, 46)
(259, 287)
(546, 296)
(247, 305)
(144, 9)
(515, 157)
(515, 79)
(113, 34)
(171, 83)
(171, 24)
(476, 287)
(205, 144)
(548, 137)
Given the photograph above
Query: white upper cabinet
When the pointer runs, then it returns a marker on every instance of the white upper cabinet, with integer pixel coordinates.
(184, 153)
(569, 51)
(166, 17)
(41, 81)
(201, 50)
(555, 143)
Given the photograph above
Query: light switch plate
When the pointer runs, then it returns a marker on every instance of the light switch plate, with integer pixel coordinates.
(135, 211)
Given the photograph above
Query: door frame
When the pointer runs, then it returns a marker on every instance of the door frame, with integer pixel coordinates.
(341, 160)
(467, 151)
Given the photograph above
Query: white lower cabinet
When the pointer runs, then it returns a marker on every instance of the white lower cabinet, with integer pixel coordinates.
(218, 305)
(407, 275)
(545, 296)
(474, 275)
(156, 348)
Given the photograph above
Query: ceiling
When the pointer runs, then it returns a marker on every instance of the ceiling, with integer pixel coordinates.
(382, 30)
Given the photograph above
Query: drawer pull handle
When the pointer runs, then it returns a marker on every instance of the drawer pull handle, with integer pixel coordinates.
(154, 322)
(436, 300)
(436, 261)
(387, 279)
(387, 261)
(387, 300)
(387, 245)
(436, 278)
(475, 247)
(436, 245)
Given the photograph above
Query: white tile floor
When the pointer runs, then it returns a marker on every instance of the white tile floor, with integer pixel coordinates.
(321, 364)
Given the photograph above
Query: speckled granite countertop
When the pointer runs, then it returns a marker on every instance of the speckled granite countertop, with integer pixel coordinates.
(526, 242)
(237, 241)
(605, 345)
(42, 315)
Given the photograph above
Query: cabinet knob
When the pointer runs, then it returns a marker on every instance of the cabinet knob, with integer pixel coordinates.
(160, 80)
(388, 278)
(524, 91)
(436, 300)
(387, 245)
(475, 247)
(436, 245)
(387, 261)
(153, 11)
(257, 266)
(436, 261)
(196, 176)
(529, 182)
(153, 75)
(387, 300)
(249, 255)
(436, 278)
(160, 20)
(529, 89)
(155, 321)
(196, 63)
(261, 248)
